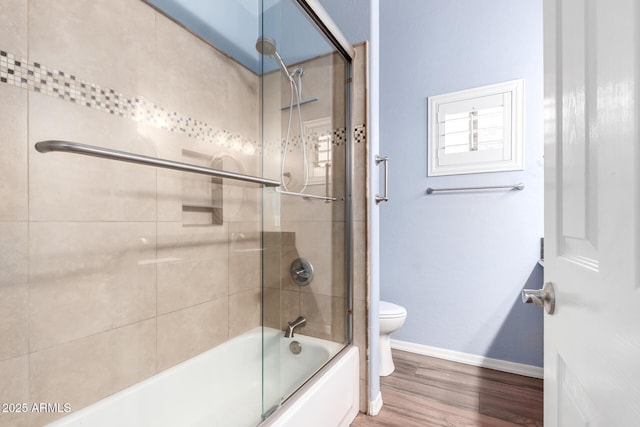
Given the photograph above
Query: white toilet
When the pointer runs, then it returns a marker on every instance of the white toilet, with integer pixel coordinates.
(392, 317)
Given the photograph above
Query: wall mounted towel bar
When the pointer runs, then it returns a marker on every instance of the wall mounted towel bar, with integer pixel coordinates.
(519, 186)
(123, 156)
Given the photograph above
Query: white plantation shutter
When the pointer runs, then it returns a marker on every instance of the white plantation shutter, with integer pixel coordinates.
(319, 134)
(479, 130)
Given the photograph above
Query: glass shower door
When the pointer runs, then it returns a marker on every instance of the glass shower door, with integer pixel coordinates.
(305, 143)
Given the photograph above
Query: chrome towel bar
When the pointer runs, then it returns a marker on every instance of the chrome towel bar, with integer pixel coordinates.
(123, 156)
(307, 196)
(519, 186)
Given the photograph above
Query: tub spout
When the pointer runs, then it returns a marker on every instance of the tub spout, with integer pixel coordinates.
(299, 322)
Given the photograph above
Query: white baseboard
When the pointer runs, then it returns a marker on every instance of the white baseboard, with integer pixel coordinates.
(470, 359)
(375, 405)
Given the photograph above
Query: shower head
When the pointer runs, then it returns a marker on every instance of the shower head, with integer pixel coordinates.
(267, 46)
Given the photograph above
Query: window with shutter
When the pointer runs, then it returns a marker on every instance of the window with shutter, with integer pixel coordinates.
(319, 134)
(476, 130)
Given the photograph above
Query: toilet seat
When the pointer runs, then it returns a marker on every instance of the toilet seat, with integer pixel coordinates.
(389, 310)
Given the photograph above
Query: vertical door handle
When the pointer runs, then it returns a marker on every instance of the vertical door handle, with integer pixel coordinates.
(385, 197)
(545, 297)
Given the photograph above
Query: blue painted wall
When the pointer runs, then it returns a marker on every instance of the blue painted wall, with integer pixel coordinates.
(352, 17)
(458, 262)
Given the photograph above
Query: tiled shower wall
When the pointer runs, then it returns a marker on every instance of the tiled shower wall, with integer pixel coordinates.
(360, 225)
(102, 284)
(313, 229)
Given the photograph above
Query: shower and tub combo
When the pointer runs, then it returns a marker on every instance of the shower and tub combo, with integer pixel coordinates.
(219, 388)
(170, 192)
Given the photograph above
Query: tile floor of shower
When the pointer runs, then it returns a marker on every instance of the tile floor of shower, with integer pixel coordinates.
(425, 391)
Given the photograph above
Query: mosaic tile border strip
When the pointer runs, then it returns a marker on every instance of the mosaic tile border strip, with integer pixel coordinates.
(39, 78)
(360, 134)
(338, 137)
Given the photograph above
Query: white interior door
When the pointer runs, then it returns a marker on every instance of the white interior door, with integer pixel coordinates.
(592, 341)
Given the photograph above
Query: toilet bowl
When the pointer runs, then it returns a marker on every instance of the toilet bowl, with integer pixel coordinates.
(392, 317)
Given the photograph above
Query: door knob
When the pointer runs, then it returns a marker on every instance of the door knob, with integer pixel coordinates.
(545, 297)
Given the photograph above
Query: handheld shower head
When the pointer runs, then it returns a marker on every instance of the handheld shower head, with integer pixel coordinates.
(267, 46)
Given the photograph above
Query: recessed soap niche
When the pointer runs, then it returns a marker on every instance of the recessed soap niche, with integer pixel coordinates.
(202, 196)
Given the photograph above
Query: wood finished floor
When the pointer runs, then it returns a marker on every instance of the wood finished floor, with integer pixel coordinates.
(425, 391)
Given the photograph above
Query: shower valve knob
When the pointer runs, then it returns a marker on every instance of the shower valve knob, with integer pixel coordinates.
(301, 272)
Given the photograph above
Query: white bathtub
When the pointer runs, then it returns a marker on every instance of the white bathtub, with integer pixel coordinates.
(223, 387)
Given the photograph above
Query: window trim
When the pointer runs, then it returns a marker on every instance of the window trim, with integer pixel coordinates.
(472, 161)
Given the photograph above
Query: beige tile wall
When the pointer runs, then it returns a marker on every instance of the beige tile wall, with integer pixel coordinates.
(206, 68)
(318, 226)
(93, 367)
(101, 285)
(359, 247)
(14, 292)
(112, 43)
(13, 162)
(14, 228)
(15, 389)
